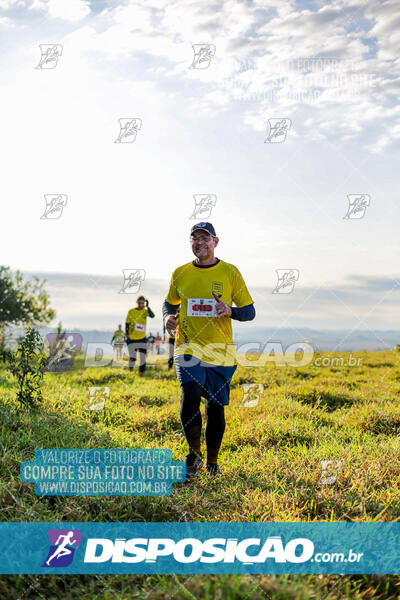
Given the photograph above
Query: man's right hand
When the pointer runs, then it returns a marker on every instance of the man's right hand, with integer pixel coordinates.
(170, 322)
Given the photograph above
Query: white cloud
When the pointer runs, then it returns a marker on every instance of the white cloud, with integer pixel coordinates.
(6, 22)
(69, 10)
(8, 4)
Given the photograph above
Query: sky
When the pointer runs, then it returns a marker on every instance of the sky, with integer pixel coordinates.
(329, 72)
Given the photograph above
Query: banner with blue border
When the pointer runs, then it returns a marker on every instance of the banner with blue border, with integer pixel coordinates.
(205, 548)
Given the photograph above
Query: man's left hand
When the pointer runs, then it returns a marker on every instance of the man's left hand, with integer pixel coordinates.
(223, 309)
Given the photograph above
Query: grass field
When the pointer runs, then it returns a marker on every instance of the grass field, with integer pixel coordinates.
(271, 456)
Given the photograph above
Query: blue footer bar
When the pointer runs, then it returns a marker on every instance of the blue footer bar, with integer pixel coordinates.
(191, 548)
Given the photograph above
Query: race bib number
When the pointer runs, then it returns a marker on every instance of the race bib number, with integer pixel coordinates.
(139, 327)
(201, 307)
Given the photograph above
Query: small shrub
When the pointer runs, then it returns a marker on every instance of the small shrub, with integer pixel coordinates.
(27, 363)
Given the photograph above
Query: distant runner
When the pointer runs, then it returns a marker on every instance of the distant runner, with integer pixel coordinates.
(118, 339)
(158, 342)
(150, 343)
(135, 329)
(205, 356)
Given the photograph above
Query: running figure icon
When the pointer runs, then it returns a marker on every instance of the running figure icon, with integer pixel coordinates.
(62, 549)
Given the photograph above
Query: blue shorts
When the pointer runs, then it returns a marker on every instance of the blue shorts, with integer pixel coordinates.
(214, 379)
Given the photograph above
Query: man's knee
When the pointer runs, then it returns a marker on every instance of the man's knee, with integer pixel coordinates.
(215, 411)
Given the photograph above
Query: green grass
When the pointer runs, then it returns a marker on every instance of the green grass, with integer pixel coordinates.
(271, 457)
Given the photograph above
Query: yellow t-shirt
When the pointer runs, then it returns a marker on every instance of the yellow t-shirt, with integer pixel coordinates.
(200, 332)
(119, 337)
(137, 323)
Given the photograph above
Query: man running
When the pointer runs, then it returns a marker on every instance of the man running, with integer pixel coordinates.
(118, 340)
(205, 357)
(135, 329)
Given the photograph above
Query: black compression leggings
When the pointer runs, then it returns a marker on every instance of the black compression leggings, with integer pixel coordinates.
(191, 393)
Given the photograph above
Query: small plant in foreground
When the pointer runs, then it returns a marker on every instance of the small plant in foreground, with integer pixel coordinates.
(27, 363)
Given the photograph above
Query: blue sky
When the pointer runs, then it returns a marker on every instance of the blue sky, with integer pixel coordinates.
(279, 205)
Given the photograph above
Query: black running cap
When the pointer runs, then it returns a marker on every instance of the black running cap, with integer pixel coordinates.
(203, 226)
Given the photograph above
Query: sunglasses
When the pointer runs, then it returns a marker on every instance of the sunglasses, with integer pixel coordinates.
(203, 238)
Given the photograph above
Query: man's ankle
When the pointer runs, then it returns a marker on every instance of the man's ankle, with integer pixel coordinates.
(212, 455)
(196, 452)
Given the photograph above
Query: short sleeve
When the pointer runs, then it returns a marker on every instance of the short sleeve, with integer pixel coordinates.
(173, 296)
(240, 293)
(129, 316)
(147, 314)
